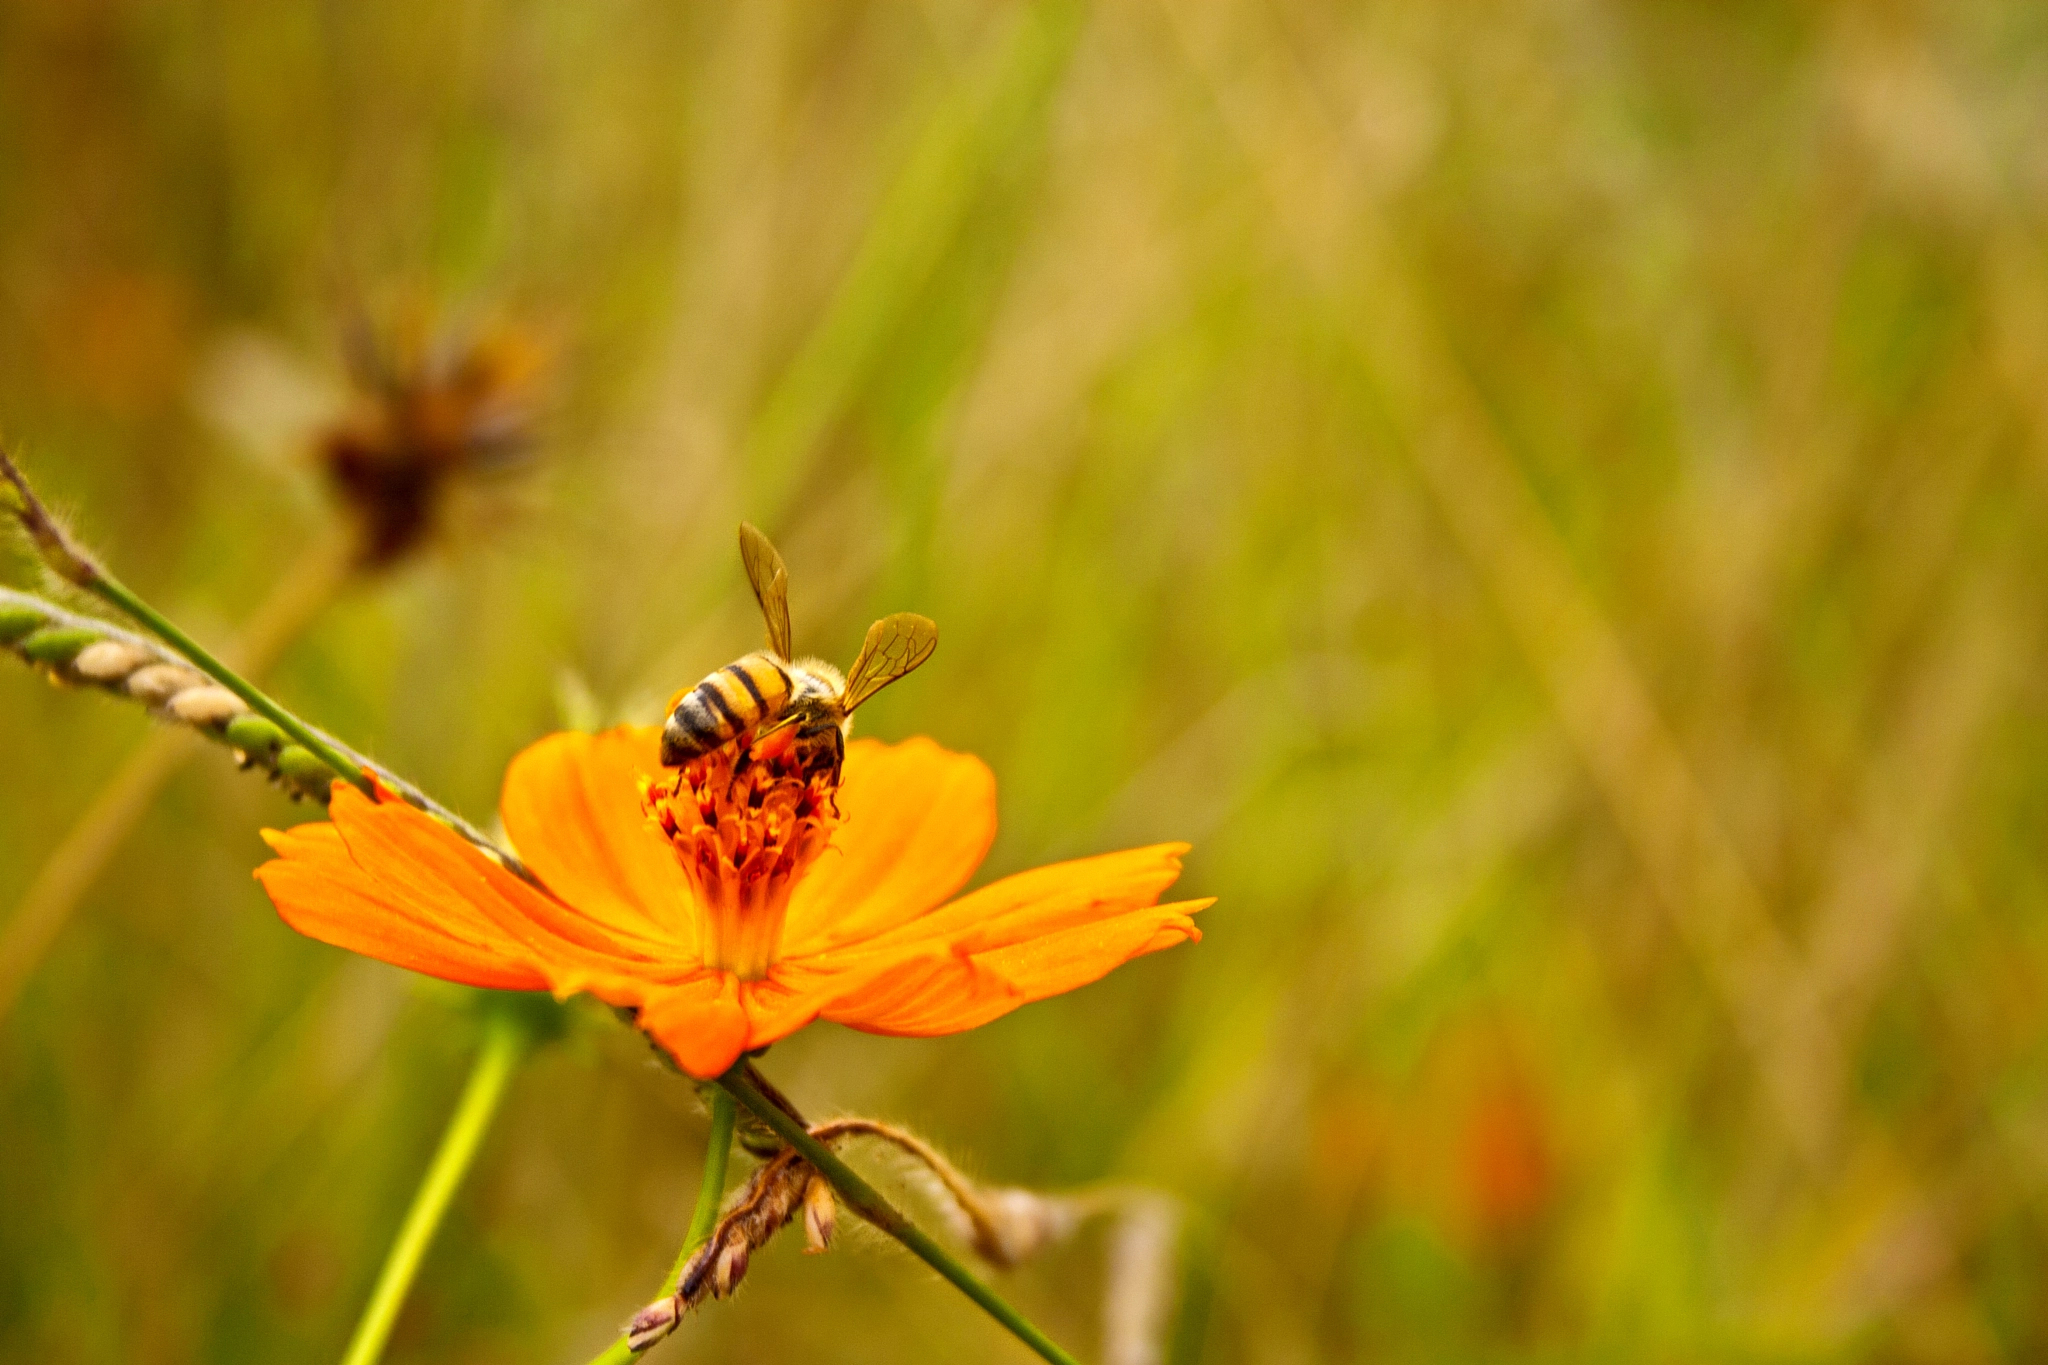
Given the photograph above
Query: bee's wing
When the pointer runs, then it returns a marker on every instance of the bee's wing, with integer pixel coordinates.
(895, 645)
(771, 586)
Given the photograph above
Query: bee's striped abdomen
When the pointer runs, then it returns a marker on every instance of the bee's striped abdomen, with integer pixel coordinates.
(746, 693)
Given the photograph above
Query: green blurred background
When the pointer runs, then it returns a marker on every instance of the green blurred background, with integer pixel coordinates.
(1550, 496)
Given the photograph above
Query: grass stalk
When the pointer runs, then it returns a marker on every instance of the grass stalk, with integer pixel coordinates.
(69, 560)
(60, 643)
(118, 595)
(82, 854)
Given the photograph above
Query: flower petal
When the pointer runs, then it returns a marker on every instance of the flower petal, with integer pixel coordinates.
(706, 1019)
(699, 1021)
(388, 880)
(1037, 934)
(323, 892)
(418, 858)
(1043, 900)
(571, 805)
(920, 1002)
(918, 821)
(795, 992)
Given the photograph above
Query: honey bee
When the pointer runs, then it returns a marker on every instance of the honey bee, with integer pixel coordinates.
(804, 703)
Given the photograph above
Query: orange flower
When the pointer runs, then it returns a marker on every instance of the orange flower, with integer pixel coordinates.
(734, 900)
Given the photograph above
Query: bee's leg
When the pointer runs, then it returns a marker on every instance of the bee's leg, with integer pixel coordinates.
(820, 746)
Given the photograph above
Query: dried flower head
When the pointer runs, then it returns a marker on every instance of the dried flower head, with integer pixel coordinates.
(428, 411)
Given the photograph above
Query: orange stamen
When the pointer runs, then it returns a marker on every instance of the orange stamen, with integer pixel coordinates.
(745, 821)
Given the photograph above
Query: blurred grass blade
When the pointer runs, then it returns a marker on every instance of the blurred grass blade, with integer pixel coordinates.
(508, 1035)
(983, 121)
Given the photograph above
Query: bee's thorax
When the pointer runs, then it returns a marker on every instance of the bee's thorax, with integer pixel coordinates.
(815, 683)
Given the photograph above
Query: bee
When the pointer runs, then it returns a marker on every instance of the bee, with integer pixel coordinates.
(805, 704)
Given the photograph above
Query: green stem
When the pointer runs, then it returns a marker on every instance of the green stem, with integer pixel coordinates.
(111, 589)
(868, 1202)
(710, 1194)
(711, 1191)
(506, 1039)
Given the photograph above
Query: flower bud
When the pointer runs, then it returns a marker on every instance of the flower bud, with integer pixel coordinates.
(302, 768)
(256, 736)
(821, 1215)
(1016, 1224)
(732, 1266)
(652, 1323)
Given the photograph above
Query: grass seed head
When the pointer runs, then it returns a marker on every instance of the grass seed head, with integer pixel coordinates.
(59, 551)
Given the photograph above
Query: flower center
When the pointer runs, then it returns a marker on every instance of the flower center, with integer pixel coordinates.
(745, 822)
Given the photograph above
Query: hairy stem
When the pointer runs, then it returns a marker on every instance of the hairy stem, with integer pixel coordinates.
(508, 1035)
(868, 1202)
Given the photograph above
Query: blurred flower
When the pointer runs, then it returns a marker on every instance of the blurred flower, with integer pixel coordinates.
(428, 410)
(1504, 1163)
(700, 898)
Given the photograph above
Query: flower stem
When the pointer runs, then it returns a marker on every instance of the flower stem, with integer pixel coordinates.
(710, 1194)
(507, 1036)
(711, 1191)
(111, 590)
(868, 1202)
